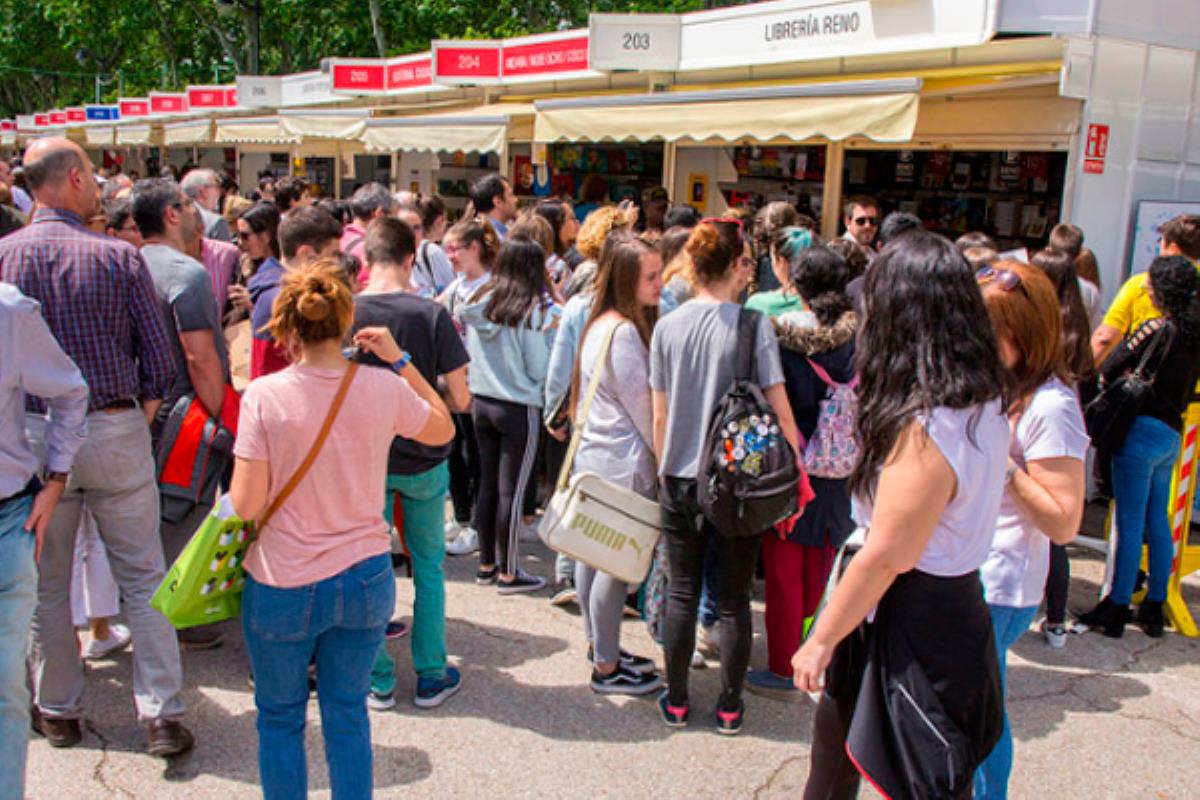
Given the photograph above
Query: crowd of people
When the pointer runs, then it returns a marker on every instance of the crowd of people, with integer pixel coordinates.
(372, 360)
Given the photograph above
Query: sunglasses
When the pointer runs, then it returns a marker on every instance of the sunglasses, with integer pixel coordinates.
(1005, 279)
(863, 221)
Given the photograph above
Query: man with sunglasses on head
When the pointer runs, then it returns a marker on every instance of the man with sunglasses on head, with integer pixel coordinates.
(861, 217)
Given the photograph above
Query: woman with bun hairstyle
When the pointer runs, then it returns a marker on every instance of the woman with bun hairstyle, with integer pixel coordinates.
(769, 221)
(907, 632)
(783, 250)
(510, 327)
(818, 334)
(1044, 483)
(319, 583)
(693, 360)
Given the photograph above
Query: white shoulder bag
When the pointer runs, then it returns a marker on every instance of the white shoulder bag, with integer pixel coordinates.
(590, 518)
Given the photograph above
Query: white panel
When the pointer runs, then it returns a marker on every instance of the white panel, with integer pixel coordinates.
(1189, 185)
(1174, 23)
(1045, 16)
(1166, 95)
(1153, 180)
(1193, 151)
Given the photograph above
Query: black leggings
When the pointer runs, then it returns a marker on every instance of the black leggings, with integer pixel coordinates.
(736, 557)
(464, 469)
(1058, 582)
(507, 434)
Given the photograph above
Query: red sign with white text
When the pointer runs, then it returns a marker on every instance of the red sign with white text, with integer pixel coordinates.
(207, 97)
(76, 115)
(467, 62)
(134, 108)
(168, 103)
(410, 74)
(1095, 149)
(231, 96)
(540, 58)
(41, 120)
(8, 125)
(58, 118)
(360, 76)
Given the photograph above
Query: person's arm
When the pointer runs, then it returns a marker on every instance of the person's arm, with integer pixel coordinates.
(439, 427)
(1129, 352)
(1118, 320)
(204, 367)
(458, 393)
(658, 403)
(47, 372)
(1050, 492)
(156, 369)
(771, 378)
(562, 361)
(628, 372)
(915, 486)
(248, 488)
(1104, 339)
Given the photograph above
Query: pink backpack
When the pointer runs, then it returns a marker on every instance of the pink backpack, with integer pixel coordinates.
(832, 451)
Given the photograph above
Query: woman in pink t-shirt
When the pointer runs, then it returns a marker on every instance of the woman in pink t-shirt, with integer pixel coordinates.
(319, 585)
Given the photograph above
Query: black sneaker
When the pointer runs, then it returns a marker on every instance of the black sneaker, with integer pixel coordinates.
(729, 723)
(521, 582)
(486, 577)
(623, 680)
(629, 661)
(674, 716)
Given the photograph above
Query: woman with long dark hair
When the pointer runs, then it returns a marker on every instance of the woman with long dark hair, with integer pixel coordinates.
(617, 437)
(1142, 465)
(934, 444)
(693, 357)
(816, 345)
(1044, 483)
(258, 233)
(1080, 372)
(510, 328)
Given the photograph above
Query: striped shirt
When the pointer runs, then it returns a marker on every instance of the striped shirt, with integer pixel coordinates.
(99, 301)
(220, 260)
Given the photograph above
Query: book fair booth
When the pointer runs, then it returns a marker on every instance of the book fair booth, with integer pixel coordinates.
(989, 115)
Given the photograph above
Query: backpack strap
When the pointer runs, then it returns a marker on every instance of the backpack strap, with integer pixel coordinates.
(422, 261)
(824, 376)
(353, 243)
(747, 330)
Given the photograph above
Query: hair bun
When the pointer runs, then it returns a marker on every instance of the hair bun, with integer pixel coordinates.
(313, 303)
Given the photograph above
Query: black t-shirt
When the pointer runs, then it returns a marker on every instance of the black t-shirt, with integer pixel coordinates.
(424, 329)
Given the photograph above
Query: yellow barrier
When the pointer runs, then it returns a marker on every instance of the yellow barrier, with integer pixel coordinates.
(1187, 556)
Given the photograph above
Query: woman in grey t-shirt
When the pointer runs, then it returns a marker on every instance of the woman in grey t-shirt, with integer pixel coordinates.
(692, 361)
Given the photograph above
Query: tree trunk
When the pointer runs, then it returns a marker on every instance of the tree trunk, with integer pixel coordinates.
(377, 28)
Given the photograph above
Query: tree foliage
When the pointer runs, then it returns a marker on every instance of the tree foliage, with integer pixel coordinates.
(55, 53)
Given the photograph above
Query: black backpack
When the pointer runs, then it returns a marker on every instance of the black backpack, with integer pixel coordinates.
(748, 477)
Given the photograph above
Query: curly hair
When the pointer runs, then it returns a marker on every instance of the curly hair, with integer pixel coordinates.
(1176, 287)
(908, 366)
(596, 228)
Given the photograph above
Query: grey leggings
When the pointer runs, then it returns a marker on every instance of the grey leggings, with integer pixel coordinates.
(602, 603)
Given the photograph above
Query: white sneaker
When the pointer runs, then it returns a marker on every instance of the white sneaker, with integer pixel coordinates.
(698, 661)
(464, 544)
(118, 638)
(708, 640)
(452, 529)
(1056, 635)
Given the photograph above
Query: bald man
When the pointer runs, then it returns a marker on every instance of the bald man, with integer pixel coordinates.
(99, 301)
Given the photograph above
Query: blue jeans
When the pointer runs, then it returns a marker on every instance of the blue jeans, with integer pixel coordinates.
(1141, 476)
(18, 596)
(991, 779)
(341, 620)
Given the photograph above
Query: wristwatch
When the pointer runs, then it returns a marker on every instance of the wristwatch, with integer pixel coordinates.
(399, 364)
(50, 476)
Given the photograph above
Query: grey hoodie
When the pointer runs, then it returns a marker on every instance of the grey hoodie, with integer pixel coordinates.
(509, 363)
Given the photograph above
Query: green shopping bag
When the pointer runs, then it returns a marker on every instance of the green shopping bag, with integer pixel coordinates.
(205, 583)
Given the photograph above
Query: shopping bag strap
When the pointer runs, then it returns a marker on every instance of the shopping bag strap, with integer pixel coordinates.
(305, 465)
(581, 417)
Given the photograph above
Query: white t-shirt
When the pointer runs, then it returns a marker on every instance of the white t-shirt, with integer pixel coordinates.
(978, 454)
(1014, 574)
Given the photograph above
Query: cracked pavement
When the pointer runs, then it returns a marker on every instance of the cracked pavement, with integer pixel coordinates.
(1101, 718)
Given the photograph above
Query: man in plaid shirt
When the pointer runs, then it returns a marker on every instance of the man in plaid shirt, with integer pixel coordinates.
(99, 302)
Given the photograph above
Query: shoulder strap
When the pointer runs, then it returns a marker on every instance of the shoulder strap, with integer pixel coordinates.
(824, 376)
(355, 242)
(422, 260)
(585, 409)
(747, 333)
(1160, 333)
(302, 470)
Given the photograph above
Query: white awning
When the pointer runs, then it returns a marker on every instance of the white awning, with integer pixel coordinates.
(191, 132)
(483, 129)
(98, 135)
(881, 110)
(252, 130)
(325, 124)
(8, 138)
(134, 135)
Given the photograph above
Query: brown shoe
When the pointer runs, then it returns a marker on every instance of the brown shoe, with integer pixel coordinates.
(58, 732)
(169, 738)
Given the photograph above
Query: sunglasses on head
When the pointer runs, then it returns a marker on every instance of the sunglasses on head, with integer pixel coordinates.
(1005, 279)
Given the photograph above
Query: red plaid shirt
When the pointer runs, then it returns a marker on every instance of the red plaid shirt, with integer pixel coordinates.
(99, 301)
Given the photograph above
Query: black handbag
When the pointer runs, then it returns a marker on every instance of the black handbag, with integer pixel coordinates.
(1110, 415)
